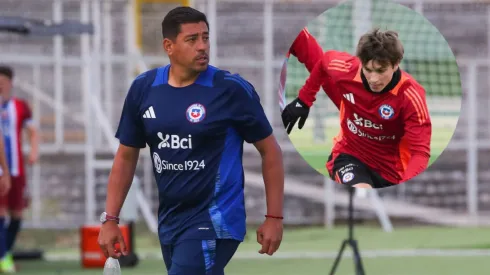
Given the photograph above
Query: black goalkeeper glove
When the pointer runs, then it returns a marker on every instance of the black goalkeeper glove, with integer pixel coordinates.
(294, 111)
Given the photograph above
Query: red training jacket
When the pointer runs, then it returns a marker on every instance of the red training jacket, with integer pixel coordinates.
(389, 132)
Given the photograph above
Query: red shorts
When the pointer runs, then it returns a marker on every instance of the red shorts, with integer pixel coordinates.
(15, 199)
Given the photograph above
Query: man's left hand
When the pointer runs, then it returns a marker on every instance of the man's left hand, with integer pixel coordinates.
(269, 235)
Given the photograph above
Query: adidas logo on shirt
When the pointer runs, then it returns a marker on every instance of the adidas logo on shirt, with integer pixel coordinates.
(149, 113)
(350, 97)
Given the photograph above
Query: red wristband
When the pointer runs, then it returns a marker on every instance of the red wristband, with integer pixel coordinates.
(112, 218)
(274, 217)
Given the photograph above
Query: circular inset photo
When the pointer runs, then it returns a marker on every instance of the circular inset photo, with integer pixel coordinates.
(370, 93)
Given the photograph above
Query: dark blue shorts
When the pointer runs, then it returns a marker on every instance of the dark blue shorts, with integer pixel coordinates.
(199, 257)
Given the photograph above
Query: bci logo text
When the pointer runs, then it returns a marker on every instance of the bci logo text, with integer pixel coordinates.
(174, 141)
(366, 123)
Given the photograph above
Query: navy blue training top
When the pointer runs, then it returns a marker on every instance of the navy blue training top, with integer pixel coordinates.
(195, 135)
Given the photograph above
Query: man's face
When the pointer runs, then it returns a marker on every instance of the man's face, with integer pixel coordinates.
(377, 75)
(5, 86)
(191, 46)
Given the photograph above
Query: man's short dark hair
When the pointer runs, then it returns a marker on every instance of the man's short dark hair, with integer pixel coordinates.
(171, 24)
(7, 71)
(381, 46)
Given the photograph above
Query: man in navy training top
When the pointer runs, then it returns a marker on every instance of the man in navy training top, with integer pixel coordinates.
(195, 118)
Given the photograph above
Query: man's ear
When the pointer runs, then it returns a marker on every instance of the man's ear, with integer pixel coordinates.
(168, 46)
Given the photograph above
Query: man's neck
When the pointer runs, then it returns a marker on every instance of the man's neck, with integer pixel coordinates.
(181, 77)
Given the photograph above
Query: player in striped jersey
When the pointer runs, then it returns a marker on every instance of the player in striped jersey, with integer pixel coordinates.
(385, 124)
(16, 116)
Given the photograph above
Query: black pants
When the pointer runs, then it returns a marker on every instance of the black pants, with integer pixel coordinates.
(350, 171)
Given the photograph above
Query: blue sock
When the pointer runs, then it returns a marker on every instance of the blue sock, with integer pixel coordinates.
(3, 238)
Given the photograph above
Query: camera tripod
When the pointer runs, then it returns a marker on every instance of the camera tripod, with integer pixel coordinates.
(350, 241)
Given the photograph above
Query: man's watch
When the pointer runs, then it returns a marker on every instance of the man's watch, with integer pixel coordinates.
(104, 217)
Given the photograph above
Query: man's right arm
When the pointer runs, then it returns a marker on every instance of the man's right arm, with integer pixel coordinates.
(131, 135)
(120, 178)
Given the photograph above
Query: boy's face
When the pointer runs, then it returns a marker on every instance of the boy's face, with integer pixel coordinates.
(378, 75)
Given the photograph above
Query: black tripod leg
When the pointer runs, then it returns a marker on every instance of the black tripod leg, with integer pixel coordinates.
(357, 258)
(339, 257)
(359, 269)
